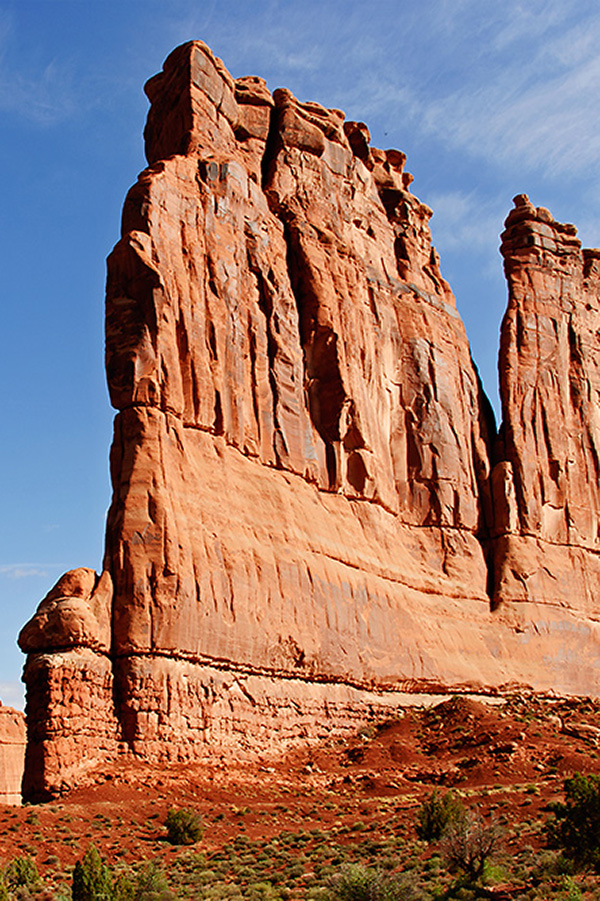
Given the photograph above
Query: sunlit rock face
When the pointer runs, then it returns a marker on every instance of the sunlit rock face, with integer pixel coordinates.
(547, 485)
(12, 754)
(312, 512)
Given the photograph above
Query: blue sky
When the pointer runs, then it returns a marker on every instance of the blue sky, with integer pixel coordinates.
(487, 99)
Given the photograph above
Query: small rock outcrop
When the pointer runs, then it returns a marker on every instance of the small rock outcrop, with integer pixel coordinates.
(71, 720)
(12, 754)
(312, 510)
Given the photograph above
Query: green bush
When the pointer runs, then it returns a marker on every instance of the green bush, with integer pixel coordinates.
(21, 872)
(123, 889)
(184, 827)
(575, 829)
(435, 815)
(570, 890)
(92, 880)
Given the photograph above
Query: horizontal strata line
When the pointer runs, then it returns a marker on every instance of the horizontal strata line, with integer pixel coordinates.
(582, 617)
(406, 686)
(383, 689)
(565, 544)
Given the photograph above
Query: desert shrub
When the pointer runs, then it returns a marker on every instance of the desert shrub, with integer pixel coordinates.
(359, 883)
(184, 827)
(436, 813)
(318, 893)
(494, 874)
(575, 829)
(92, 880)
(123, 889)
(468, 843)
(570, 891)
(152, 885)
(21, 872)
(262, 891)
(223, 892)
(550, 866)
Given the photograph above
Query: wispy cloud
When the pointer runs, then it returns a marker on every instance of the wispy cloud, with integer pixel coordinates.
(45, 97)
(519, 21)
(546, 126)
(26, 570)
(534, 101)
(46, 92)
(462, 221)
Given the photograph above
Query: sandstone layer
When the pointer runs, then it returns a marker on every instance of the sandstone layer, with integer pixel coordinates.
(312, 511)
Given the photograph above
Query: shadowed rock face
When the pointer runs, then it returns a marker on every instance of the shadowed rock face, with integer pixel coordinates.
(312, 512)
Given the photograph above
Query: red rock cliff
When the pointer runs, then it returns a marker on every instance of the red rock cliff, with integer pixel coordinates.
(302, 523)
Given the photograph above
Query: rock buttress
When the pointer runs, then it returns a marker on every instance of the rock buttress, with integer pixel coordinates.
(300, 463)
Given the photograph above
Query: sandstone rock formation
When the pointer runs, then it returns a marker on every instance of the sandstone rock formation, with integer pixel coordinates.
(312, 512)
(71, 719)
(12, 754)
(547, 486)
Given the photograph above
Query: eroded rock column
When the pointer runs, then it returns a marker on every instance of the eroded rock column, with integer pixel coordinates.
(546, 485)
(71, 721)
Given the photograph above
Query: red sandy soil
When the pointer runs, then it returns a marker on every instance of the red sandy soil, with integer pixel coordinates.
(508, 760)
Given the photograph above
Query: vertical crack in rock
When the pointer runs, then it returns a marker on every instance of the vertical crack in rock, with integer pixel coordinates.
(322, 382)
(276, 360)
(323, 385)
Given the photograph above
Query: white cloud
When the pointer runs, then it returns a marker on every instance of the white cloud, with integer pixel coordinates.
(25, 570)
